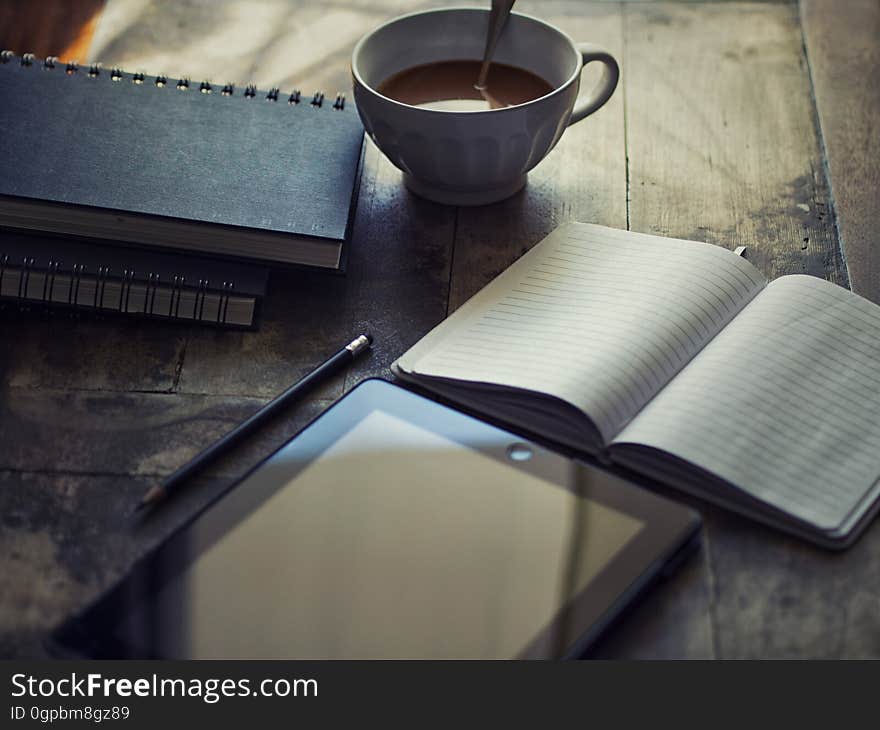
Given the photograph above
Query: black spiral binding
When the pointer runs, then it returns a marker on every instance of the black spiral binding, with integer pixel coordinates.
(150, 294)
(101, 284)
(50, 280)
(179, 282)
(50, 63)
(228, 288)
(150, 284)
(125, 289)
(46, 281)
(203, 290)
(73, 289)
(24, 278)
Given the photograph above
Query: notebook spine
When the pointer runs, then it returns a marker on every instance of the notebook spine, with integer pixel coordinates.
(182, 84)
(25, 285)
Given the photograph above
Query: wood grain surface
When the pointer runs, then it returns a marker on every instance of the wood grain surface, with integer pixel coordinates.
(714, 134)
(842, 39)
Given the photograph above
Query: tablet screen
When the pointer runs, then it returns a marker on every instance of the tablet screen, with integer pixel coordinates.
(393, 542)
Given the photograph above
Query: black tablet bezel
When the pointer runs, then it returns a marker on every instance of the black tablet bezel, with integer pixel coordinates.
(668, 527)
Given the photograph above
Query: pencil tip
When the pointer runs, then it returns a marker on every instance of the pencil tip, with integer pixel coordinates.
(153, 494)
(138, 511)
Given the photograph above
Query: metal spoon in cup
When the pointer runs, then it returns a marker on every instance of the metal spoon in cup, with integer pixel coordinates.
(498, 16)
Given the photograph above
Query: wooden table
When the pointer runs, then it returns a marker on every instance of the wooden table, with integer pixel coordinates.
(735, 123)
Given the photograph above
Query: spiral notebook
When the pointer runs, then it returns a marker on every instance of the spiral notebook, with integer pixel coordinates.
(81, 276)
(170, 163)
(679, 361)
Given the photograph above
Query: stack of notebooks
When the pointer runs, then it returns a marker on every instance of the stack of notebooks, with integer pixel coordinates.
(678, 361)
(166, 197)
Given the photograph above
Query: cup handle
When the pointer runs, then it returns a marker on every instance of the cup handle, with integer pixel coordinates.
(586, 105)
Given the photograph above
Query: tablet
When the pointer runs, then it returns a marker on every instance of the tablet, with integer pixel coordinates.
(394, 527)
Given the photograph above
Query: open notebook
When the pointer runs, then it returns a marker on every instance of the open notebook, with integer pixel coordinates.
(678, 360)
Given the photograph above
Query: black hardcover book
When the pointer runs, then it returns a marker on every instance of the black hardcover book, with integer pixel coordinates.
(165, 162)
(87, 276)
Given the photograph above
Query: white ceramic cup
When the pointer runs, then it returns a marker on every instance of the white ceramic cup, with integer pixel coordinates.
(473, 157)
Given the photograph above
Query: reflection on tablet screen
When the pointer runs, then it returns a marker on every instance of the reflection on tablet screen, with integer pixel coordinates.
(394, 542)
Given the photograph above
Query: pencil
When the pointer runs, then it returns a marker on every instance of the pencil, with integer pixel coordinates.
(342, 358)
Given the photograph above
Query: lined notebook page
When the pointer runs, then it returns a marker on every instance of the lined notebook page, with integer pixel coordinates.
(598, 317)
(784, 403)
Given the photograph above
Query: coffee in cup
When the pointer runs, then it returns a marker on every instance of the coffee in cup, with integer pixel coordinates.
(451, 86)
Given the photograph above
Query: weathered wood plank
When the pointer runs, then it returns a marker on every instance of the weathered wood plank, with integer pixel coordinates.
(55, 351)
(64, 540)
(723, 148)
(141, 434)
(721, 135)
(778, 597)
(843, 45)
(399, 267)
(583, 178)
